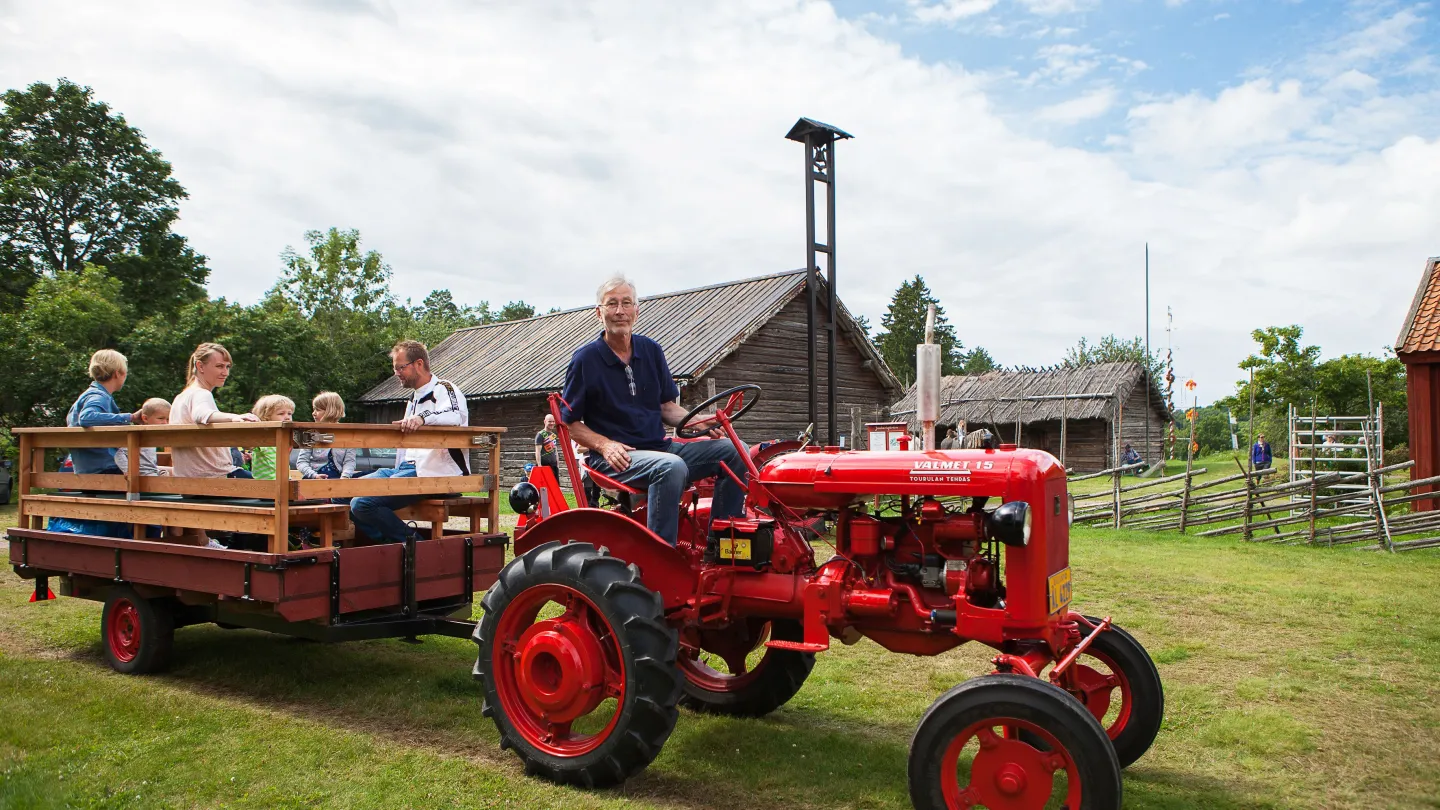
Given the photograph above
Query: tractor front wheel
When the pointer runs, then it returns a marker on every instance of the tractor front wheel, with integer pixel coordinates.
(137, 632)
(1119, 684)
(578, 665)
(964, 753)
(732, 672)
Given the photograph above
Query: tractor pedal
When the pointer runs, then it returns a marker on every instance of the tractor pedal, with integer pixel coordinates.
(797, 646)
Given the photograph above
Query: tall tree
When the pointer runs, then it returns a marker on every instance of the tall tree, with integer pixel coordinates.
(904, 328)
(979, 361)
(78, 186)
(1112, 349)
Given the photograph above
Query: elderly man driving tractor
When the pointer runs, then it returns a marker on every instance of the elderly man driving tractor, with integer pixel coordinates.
(619, 397)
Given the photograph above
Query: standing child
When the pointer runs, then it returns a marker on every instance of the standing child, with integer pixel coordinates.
(269, 408)
(327, 462)
(155, 411)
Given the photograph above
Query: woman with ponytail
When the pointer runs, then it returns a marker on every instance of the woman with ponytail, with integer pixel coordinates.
(209, 368)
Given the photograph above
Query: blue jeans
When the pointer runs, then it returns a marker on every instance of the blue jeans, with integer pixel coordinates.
(666, 473)
(375, 514)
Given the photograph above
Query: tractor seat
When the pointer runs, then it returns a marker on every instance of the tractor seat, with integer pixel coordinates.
(606, 482)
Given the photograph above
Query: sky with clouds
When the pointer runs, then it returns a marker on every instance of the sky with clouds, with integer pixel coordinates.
(1282, 159)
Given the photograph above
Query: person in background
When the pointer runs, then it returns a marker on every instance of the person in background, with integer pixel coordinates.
(1130, 456)
(155, 411)
(951, 440)
(547, 447)
(326, 462)
(95, 407)
(269, 408)
(1260, 455)
(208, 369)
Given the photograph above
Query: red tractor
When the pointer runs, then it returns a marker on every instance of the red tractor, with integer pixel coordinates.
(598, 629)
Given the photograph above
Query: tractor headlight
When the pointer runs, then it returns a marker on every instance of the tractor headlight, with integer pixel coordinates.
(524, 497)
(1010, 524)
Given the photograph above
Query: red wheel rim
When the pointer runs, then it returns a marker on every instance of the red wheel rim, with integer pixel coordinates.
(732, 646)
(1007, 773)
(1095, 689)
(123, 631)
(553, 674)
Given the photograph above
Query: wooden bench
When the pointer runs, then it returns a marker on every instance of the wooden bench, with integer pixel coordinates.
(268, 507)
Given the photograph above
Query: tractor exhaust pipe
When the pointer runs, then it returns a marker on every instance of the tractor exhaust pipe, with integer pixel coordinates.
(927, 382)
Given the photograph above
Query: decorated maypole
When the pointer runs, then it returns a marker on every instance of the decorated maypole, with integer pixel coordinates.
(1169, 383)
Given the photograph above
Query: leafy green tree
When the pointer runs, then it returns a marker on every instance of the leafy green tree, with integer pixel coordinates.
(904, 329)
(78, 186)
(979, 361)
(44, 358)
(515, 311)
(1284, 368)
(1112, 349)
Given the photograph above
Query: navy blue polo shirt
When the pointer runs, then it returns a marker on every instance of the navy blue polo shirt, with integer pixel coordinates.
(601, 394)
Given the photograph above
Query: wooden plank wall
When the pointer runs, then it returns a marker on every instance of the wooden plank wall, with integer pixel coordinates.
(1133, 428)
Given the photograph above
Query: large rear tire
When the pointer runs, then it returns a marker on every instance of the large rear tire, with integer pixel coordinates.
(732, 673)
(137, 633)
(578, 665)
(964, 755)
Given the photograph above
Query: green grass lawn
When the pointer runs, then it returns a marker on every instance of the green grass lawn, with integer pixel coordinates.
(1295, 677)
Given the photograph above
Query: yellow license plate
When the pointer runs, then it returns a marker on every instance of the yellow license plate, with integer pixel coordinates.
(737, 548)
(1059, 590)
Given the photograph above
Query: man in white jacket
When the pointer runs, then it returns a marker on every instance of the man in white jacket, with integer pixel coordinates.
(434, 402)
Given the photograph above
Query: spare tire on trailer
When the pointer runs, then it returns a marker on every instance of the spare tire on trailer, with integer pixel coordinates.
(136, 632)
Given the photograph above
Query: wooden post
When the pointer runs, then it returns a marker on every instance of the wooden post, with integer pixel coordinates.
(1064, 412)
(132, 478)
(280, 541)
(1189, 465)
(1249, 497)
(492, 517)
(22, 481)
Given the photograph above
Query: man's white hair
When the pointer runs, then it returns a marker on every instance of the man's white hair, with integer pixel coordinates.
(615, 282)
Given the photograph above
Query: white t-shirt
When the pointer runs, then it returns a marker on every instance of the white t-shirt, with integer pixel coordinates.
(437, 402)
(195, 406)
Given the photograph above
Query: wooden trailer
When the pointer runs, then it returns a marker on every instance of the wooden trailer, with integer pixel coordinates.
(152, 581)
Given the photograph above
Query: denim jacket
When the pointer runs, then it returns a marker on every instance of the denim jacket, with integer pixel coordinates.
(95, 408)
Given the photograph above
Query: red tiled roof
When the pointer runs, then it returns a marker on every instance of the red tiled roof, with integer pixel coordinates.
(1421, 332)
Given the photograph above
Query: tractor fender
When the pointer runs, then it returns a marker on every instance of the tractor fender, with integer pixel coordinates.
(662, 568)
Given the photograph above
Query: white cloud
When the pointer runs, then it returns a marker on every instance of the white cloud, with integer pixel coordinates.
(948, 11)
(523, 150)
(1065, 63)
(1081, 108)
(1050, 8)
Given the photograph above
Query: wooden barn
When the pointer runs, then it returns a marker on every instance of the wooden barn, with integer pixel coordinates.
(1087, 406)
(716, 337)
(1418, 347)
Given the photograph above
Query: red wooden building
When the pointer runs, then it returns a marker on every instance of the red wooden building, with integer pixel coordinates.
(1418, 347)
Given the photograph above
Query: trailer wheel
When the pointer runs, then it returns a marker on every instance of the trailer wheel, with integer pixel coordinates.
(137, 632)
(1132, 718)
(578, 665)
(732, 673)
(961, 754)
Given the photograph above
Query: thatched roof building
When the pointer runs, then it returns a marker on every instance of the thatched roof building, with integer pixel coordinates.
(1089, 405)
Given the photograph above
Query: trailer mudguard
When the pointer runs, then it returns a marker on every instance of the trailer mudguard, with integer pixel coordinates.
(662, 568)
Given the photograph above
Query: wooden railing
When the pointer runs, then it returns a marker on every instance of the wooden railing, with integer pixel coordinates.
(273, 520)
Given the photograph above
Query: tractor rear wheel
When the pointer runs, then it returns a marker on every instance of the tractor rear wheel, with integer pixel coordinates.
(137, 632)
(578, 665)
(962, 755)
(733, 673)
(1117, 662)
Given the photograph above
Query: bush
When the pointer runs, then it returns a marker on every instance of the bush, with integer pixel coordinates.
(1398, 454)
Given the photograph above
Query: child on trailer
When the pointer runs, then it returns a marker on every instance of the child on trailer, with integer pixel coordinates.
(155, 411)
(327, 462)
(269, 408)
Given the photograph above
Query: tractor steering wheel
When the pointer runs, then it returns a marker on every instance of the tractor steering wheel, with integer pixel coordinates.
(734, 409)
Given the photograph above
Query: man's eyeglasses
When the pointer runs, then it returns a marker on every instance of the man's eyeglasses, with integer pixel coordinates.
(404, 366)
(630, 375)
(614, 306)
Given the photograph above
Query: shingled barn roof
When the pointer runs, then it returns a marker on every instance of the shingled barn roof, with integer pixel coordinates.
(998, 397)
(697, 328)
(1421, 332)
